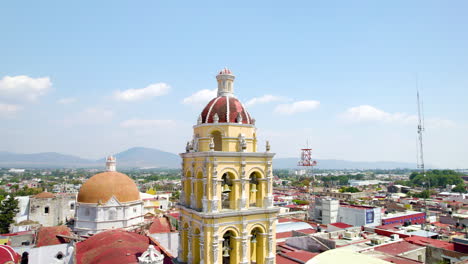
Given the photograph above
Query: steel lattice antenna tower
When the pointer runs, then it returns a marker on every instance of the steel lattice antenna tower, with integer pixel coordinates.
(420, 161)
(306, 160)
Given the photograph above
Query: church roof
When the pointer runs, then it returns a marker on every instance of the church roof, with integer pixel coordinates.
(102, 186)
(47, 236)
(228, 109)
(112, 247)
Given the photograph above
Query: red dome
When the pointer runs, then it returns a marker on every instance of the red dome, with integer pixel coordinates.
(228, 109)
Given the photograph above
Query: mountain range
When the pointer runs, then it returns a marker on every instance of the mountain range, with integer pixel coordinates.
(140, 157)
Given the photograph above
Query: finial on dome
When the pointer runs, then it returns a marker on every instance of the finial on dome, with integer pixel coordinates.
(110, 163)
(225, 82)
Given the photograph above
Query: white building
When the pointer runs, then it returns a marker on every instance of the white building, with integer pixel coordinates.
(108, 200)
(327, 210)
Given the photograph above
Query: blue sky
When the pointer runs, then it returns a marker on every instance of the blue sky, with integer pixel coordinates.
(341, 74)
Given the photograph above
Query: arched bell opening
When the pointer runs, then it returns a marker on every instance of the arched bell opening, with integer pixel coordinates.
(228, 190)
(257, 246)
(198, 190)
(218, 140)
(196, 247)
(229, 250)
(255, 190)
(188, 187)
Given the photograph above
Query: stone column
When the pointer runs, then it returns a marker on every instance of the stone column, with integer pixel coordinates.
(202, 247)
(214, 195)
(215, 247)
(180, 249)
(244, 250)
(204, 200)
(193, 201)
(189, 251)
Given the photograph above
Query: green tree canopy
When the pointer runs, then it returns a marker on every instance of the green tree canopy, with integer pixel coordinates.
(8, 210)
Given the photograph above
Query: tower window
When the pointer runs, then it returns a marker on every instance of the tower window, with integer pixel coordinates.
(46, 210)
(217, 139)
(72, 206)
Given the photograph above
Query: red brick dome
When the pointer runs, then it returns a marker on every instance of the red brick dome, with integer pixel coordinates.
(228, 109)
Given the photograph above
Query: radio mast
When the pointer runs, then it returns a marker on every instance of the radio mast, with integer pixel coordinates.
(420, 162)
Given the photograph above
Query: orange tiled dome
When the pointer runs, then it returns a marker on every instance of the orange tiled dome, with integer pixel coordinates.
(102, 186)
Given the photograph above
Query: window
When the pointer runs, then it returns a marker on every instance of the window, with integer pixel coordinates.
(72, 206)
(87, 212)
(46, 210)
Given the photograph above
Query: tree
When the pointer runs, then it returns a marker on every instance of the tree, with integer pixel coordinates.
(8, 210)
(460, 188)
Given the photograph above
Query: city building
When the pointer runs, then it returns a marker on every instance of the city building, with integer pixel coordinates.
(108, 200)
(226, 205)
(326, 210)
(49, 209)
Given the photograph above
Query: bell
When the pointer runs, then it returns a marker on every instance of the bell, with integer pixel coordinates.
(225, 251)
(253, 187)
(226, 188)
(254, 239)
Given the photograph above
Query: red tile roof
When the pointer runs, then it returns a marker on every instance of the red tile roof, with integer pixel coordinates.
(341, 225)
(282, 260)
(112, 247)
(424, 241)
(160, 225)
(397, 248)
(307, 231)
(284, 234)
(47, 236)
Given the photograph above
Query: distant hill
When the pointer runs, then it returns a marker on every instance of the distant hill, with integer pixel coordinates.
(139, 157)
(43, 160)
(285, 163)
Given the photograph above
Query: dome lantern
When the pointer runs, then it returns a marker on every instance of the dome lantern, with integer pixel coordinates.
(110, 163)
(225, 82)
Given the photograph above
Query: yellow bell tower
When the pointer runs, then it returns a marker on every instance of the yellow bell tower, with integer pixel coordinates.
(226, 203)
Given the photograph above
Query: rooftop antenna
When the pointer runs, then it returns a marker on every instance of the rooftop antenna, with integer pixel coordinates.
(420, 161)
(306, 160)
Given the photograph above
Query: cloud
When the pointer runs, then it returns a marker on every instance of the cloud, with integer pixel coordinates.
(200, 98)
(91, 116)
(264, 99)
(7, 110)
(66, 101)
(297, 107)
(23, 88)
(146, 123)
(367, 113)
(153, 90)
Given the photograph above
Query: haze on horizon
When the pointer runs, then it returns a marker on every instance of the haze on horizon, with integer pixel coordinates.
(94, 78)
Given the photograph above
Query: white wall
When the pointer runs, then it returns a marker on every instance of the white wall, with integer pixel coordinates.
(47, 254)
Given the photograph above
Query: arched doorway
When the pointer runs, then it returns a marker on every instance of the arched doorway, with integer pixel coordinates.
(218, 140)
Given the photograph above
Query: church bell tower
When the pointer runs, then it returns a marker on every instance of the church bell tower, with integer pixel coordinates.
(226, 203)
